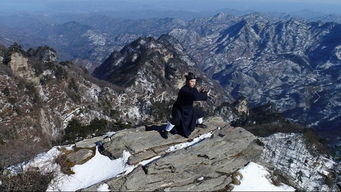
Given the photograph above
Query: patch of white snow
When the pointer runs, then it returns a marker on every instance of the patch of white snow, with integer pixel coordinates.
(255, 178)
(103, 187)
(187, 144)
(95, 170)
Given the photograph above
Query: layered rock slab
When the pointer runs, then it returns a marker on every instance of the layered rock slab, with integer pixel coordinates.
(206, 165)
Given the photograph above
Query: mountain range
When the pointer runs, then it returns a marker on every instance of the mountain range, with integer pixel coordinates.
(126, 73)
(290, 62)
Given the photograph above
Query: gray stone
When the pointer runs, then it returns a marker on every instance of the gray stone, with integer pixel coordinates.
(141, 156)
(213, 160)
(89, 143)
(79, 156)
(138, 141)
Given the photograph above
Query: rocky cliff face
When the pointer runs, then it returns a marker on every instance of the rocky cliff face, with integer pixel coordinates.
(39, 97)
(44, 102)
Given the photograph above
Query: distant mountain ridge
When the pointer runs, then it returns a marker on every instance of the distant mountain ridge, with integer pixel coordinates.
(294, 64)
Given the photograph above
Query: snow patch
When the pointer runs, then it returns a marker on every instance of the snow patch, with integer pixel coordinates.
(67, 117)
(134, 112)
(36, 139)
(146, 162)
(47, 72)
(255, 178)
(338, 52)
(95, 170)
(103, 187)
(142, 42)
(70, 147)
(109, 134)
(200, 179)
(101, 167)
(135, 56)
(187, 144)
(96, 39)
(43, 161)
(289, 153)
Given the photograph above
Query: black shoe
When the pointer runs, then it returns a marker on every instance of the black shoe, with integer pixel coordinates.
(201, 126)
(174, 131)
(164, 134)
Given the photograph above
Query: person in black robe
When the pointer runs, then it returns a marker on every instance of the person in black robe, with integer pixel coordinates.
(184, 116)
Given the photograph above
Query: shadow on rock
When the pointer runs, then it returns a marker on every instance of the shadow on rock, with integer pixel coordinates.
(160, 128)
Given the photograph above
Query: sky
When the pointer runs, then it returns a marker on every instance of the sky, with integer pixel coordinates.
(124, 6)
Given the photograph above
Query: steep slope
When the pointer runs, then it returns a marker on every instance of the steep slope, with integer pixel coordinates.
(291, 63)
(40, 97)
(152, 71)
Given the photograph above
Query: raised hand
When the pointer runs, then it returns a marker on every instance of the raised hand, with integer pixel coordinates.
(203, 89)
(208, 92)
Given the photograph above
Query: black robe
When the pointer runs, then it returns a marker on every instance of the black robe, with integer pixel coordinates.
(184, 115)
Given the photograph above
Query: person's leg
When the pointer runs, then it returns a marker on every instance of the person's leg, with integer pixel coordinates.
(174, 121)
(199, 123)
(199, 120)
(169, 126)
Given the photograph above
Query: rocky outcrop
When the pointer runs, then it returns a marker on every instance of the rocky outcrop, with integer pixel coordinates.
(206, 165)
(19, 66)
(44, 54)
(39, 97)
(210, 159)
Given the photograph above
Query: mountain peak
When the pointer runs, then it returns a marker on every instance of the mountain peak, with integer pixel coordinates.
(163, 57)
(220, 15)
(43, 53)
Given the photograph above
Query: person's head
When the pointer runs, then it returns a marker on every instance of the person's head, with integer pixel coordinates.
(191, 80)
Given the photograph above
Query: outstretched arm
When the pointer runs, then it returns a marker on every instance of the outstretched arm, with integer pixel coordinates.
(193, 94)
(200, 96)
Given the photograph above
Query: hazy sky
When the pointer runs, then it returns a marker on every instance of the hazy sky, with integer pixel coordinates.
(48, 6)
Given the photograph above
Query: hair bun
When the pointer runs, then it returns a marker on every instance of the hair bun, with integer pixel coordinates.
(190, 76)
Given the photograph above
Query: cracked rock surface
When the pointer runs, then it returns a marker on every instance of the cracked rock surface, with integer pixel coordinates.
(206, 165)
